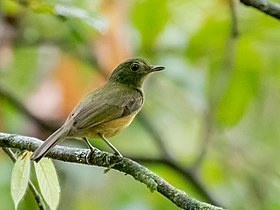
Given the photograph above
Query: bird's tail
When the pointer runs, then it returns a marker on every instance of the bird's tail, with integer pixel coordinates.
(49, 143)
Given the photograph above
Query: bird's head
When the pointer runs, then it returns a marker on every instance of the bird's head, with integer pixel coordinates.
(132, 72)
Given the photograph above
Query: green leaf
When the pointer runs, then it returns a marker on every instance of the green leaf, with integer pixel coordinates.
(216, 30)
(243, 84)
(150, 18)
(90, 18)
(41, 7)
(210, 54)
(48, 182)
(20, 177)
(22, 74)
(10, 8)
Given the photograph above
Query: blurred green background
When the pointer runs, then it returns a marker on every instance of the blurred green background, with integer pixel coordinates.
(213, 113)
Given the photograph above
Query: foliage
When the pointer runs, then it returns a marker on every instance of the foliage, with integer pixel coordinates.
(20, 177)
(46, 176)
(217, 98)
(48, 182)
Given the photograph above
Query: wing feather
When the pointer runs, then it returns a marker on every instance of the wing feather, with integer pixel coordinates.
(102, 106)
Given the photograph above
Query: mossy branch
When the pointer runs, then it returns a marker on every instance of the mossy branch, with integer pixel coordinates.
(107, 160)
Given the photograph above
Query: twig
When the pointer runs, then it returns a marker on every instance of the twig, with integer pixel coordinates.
(189, 174)
(272, 9)
(153, 132)
(225, 73)
(206, 134)
(12, 99)
(234, 21)
(36, 194)
(104, 159)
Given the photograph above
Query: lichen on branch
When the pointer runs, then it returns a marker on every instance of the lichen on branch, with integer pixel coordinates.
(107, 160)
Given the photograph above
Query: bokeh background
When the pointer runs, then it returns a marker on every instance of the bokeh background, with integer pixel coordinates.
(210, 124)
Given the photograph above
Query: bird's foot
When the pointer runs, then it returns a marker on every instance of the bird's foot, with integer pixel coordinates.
(114, 164)
(92, 149)
(88, 156)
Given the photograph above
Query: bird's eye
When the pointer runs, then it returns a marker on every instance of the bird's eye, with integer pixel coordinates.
(134, 67)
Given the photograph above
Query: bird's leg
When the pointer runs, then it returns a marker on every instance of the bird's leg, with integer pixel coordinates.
(110, 145)
(91, 149)
(113, 148)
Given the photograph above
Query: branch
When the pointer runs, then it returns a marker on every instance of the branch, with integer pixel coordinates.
(142, 118)
(187, 173)
(12, 99)
(169, 160)
(104, 159)
(234, 21)
(227, 64)
(272, 9)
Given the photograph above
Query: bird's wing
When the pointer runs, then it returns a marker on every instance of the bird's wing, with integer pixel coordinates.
(103, 106)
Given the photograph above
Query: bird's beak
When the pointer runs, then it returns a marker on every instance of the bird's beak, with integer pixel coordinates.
(157, 68)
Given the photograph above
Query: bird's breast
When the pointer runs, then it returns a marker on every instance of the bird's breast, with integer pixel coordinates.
(113, 127)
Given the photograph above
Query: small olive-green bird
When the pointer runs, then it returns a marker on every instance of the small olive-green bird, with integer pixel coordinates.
(107, 110)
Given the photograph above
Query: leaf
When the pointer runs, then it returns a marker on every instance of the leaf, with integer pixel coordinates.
(10, 8)
(150, 18)
(215, 29)
(41, 7)
(63, 10)
(48, 182)
(20, 177)
(243, 84)
(90, 18)
(17, 78)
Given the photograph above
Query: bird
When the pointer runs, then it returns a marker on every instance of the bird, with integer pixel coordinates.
(105, 112)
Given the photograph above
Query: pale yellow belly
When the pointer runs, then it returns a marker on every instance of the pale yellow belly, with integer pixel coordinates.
(111, 128)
